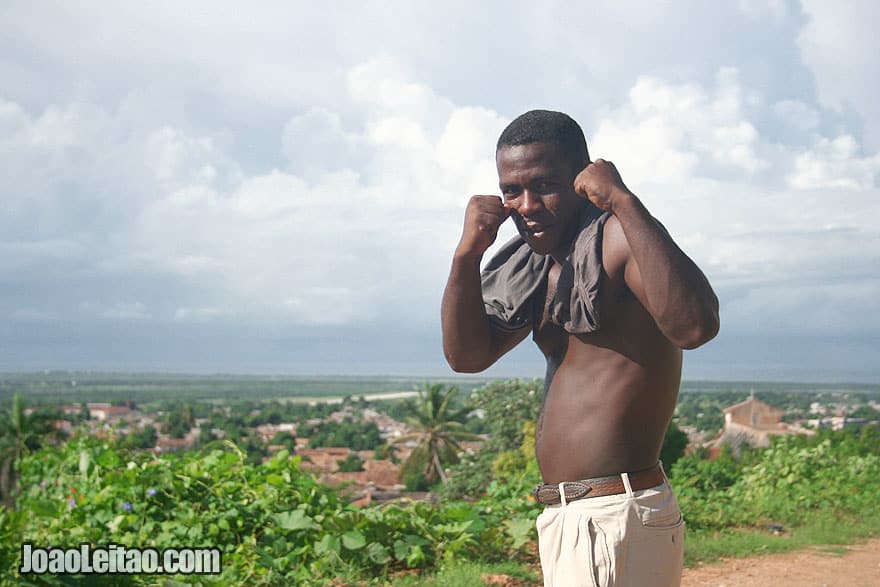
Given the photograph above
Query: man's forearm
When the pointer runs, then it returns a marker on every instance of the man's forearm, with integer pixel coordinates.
(678, 294)
(467, 336)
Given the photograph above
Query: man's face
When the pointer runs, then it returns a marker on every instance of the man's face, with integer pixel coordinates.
(537, 183)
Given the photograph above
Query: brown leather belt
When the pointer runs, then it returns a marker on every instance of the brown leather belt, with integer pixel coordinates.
(548, 493)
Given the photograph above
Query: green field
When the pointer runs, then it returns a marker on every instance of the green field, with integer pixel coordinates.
(54, 387)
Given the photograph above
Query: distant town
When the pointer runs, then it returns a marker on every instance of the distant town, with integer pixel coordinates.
(359, 443)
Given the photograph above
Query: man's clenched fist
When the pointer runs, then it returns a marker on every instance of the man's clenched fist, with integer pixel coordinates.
(600, 182)
(481, 221)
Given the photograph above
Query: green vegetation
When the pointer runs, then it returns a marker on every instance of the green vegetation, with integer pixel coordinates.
(351, 464)
(438, 428)
(675, 444)
(354, 434)
(509, 410)
(830, 529)
(468, 574)
(20, 433)
(784, 484)
(276, 525)
(141, 438)
(177, 423)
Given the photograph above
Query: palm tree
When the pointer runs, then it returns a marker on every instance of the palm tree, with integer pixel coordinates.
(438, 432)
(12, 446)
(21, 433)
(189, 416)
(7, 467)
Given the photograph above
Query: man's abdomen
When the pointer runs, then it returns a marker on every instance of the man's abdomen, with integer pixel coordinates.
(606, 411)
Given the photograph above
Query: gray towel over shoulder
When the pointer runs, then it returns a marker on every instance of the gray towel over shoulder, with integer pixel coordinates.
(516, 273)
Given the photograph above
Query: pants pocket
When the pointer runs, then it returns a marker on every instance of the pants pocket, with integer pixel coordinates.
(659, 511)
(596, 553)
(656, 551)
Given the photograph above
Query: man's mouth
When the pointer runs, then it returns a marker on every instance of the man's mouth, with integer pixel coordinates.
(530, 229)
(535, 229)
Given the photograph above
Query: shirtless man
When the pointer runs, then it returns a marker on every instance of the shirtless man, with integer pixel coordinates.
(612, 381)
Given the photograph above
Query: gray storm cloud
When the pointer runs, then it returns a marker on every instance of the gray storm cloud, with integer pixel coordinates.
(178, 171)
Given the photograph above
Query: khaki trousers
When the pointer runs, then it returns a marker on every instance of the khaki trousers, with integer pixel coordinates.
(634, 539)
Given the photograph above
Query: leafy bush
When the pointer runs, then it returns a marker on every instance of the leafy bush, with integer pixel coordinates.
(507, 408)
(351, 464)
(356, 435)
(791, 480)
(276, 525)
(787, 483)
(273, 522)
(674, 444)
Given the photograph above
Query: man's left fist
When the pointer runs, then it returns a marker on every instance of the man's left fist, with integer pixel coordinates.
(600, 182)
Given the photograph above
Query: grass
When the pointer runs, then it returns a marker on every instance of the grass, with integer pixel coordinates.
(469, 574)
(829, 530)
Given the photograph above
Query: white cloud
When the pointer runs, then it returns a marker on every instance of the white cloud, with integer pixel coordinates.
(834, 164)
(379, 84)
(370, 209)
(839, 44)
(797, 115)
(792, 228)
(275, 195)
(316, 142)
(302, 165)
(332, 245)
(464, 150)
(668, 132)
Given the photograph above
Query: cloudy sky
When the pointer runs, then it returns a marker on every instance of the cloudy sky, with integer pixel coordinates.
(277, 187)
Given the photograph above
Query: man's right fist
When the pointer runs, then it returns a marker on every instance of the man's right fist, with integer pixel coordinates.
(481, 221)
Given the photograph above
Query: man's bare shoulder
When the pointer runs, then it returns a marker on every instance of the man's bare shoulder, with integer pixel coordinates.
(615, 248)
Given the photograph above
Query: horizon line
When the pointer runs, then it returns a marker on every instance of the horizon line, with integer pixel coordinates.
(453, 376)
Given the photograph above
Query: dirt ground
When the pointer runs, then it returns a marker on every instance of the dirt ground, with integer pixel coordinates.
(817, 567)
(821, 566)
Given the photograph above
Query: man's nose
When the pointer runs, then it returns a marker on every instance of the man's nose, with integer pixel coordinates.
(530, 203)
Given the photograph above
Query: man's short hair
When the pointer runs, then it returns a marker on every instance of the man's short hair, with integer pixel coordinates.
(546, 126)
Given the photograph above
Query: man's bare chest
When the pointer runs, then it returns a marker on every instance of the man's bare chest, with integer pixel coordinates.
(614, 305)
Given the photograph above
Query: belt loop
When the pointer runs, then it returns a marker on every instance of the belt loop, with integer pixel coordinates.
(626, 484)
(562, 493)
